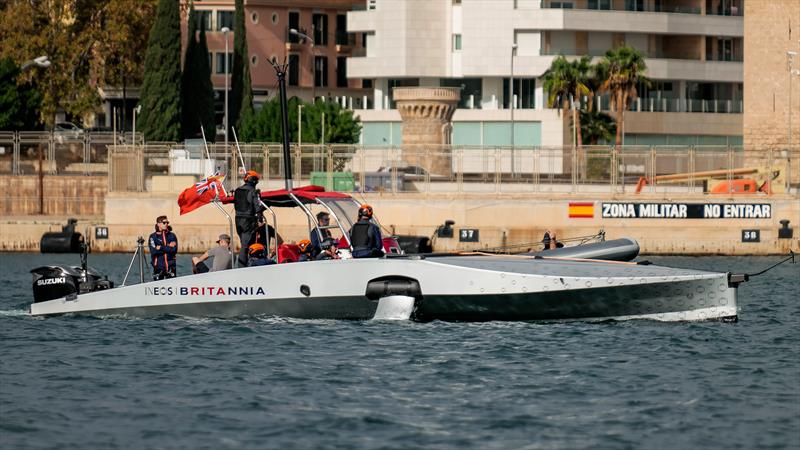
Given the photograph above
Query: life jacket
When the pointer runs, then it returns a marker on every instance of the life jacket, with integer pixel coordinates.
(242, 201)
(361, 236)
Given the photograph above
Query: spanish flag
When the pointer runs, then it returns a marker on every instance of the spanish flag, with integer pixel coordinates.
(581, 210)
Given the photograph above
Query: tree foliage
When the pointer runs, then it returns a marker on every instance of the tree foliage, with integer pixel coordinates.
(197, 92)
(341, 127)
(624, 68)
(567, 80)
(160, 118)
(19, 104)
(241, 98)
(89, 43)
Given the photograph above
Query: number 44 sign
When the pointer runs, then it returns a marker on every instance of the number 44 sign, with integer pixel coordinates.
(468, 235)
(751, 235)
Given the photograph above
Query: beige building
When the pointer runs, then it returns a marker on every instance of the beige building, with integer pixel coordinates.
(694, 53)
(772, 50)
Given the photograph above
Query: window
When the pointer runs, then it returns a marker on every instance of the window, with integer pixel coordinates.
(562, 5)
(320, 23)
(294, 24)
(600, 4)
(254, 60)
(634, 5)
(224, 20)
(341, 71)
(372, 4)
(320, 71)
(254, 17)
(524, 90)
(342, 36)
(203, 20)
(456, 42)
(274, 18)
(294, 69)
(366, 83)
(220, 63)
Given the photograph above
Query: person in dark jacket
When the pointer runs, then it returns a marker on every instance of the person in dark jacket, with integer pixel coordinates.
(247, 203)
(163, 249)
(365, 236)
(323, 220)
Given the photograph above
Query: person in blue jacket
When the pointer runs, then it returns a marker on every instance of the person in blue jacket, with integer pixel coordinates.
(365, 236)
(163, 249)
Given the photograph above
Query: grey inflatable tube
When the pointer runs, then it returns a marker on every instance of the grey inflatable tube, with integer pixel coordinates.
(623, 249)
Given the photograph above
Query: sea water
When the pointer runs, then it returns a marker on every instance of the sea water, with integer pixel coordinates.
(266, 382)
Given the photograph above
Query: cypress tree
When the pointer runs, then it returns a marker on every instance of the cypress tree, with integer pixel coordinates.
(205, 89)
(190, 123)
(160, 119)
(241, 100)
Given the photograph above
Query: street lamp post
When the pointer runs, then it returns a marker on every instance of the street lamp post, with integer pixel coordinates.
(512, 102)
(43, 62)
(300, 126)
(225, 31)
(136, 110)
(313, 69)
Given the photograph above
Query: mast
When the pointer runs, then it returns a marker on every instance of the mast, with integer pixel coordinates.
(280, 71)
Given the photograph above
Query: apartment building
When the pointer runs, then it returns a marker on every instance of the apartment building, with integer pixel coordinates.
(318, 61)
(693, 49)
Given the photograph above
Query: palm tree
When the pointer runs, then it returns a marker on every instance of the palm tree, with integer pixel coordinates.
(624, 68)
(565, 79)
(597, 126)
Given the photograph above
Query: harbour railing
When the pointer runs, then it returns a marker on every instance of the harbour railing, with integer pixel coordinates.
(63, 174)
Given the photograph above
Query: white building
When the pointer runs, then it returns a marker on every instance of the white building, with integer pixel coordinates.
(693, 49)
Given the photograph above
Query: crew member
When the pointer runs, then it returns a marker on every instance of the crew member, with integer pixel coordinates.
(329, 248)
(163, 248)
(220, 254)
(305, 250)
(323, 220)
(550, 242)
(365, 236)
(247, 203)
(258, 256)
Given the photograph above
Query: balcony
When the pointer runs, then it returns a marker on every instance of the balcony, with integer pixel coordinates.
(622, 21)
(601, 5)
(345, 42)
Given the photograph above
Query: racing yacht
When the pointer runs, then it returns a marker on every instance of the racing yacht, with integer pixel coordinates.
(470, 286)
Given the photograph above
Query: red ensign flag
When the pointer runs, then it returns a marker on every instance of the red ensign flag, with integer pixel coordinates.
(203, 192)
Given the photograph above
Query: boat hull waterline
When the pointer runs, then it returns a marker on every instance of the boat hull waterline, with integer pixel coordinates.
(453, 288)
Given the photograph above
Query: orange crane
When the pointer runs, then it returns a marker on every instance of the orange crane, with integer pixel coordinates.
(768, 180)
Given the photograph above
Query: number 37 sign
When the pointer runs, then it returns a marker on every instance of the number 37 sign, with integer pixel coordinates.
(468, 235)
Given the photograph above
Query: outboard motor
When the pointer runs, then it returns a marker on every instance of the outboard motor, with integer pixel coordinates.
(52, 282)
(65, 241)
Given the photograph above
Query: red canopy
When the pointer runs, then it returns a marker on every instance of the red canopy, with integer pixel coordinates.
(306, 194)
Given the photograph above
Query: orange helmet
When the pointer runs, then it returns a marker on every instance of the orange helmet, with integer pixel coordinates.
(251, 174)
(365, 211)
(304, 244)
(255, 248)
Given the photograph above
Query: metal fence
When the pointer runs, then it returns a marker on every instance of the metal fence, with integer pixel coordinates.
(443, 169)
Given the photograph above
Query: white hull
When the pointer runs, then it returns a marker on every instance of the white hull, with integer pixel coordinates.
(471, 288)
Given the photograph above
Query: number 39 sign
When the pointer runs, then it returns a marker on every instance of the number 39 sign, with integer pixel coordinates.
(468, 235)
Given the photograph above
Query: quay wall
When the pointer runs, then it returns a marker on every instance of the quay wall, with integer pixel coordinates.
(500, 220)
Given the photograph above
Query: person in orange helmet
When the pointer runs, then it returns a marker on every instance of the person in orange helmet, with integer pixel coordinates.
(365, 236)
(249, 213)
(305, 250)
(258, 256)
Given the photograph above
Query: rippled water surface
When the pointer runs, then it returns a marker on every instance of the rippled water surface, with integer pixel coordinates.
(176, 383)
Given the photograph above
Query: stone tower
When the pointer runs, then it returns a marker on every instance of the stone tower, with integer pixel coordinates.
(426, 113)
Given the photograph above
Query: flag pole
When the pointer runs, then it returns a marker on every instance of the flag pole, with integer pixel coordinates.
(236, 140)
(205, 143)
